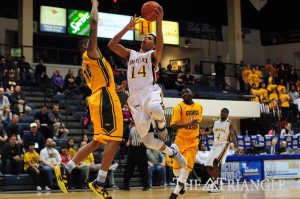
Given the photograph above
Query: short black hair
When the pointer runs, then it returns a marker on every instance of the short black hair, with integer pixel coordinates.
(31, 143)
(81, 42)
(225, 109)
(154, 36)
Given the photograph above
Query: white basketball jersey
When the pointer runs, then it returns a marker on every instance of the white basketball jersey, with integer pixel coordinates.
(221, 131)
(140, 72)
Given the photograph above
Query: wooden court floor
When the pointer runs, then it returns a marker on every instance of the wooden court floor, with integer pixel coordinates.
(289, 189)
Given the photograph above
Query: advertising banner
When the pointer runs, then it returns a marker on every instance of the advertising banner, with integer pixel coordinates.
(170, 31)
(53, 19)
(199, 30)
(110, 24)
(281, 169)
(242, 170)
(78, 22)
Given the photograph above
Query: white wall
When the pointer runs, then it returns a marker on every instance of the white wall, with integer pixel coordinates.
(284, 52)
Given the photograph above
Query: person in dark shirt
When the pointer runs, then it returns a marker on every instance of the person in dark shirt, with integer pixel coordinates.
(40, 73)
(35, 137)
(220, 69)
(70, 83)
(9, 83)
(251, 148)
(11, 157)
(15, 129)
(45, 123)
(19, 102)
(24, 68)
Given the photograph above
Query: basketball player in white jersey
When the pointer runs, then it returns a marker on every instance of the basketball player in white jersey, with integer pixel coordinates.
(145, 96)
(222, 131)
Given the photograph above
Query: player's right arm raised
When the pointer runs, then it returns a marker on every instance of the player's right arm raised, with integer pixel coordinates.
(114, 42)
(92, 50)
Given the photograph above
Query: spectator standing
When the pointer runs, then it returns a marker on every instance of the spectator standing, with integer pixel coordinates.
(220, 69)
(294, 95)
(292, 76)
(245, 74)
(40, 73)
(285, 105)
(59, 129)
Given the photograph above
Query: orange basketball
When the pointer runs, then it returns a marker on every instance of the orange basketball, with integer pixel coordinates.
(148, 10)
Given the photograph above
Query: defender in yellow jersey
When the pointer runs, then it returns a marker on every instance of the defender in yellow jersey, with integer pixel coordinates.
(105, 110)
(186, 119)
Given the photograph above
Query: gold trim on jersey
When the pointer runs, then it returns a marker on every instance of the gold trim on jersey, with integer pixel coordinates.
(221, 156)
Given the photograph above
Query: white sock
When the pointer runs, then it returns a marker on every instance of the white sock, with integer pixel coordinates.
(168, 151)
(161, 125)
(70, 166)
(102, 176)
(177, 189)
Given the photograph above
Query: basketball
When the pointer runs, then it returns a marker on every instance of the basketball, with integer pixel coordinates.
(148, 10)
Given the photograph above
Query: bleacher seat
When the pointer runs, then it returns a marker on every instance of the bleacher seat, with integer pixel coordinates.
(16, 182)
(60, 142)
(26, 119)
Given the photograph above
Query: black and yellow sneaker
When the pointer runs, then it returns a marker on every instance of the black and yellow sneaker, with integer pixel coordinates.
(62, 178)
(99, 189)
(173, 196)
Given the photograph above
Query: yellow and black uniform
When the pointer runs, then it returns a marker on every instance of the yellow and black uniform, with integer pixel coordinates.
(104, 104)
(187, 139)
